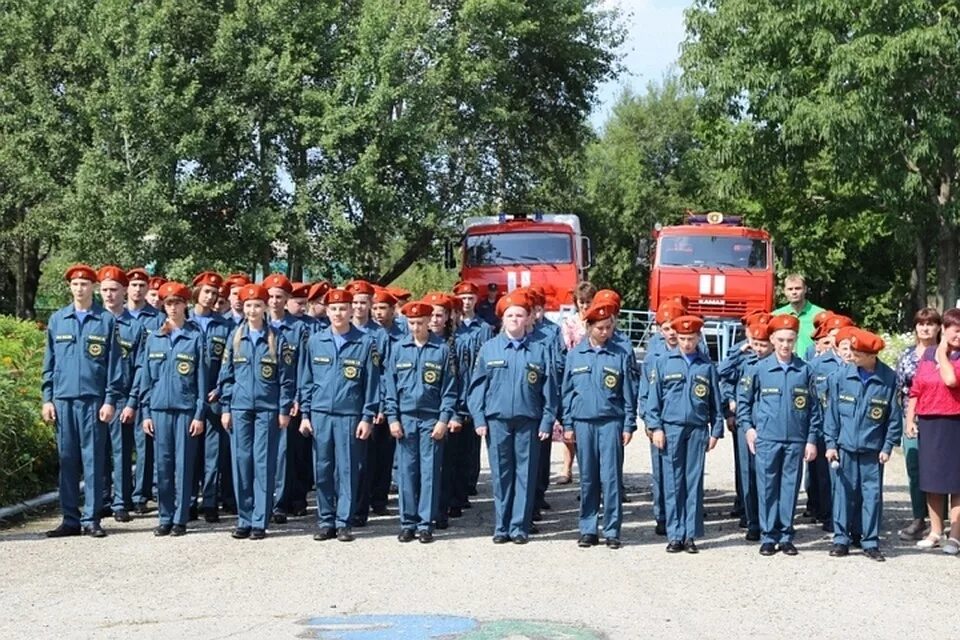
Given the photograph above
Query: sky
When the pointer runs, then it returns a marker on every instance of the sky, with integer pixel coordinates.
(652, 44)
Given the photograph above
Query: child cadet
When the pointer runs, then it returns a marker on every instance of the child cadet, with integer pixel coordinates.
(81, 384)
(339, 381)
(599, 392)
(782, 417)
(419, 400)
(258, 386)
(514, 400)
(863, 423)
(685, 414)
(173, 390)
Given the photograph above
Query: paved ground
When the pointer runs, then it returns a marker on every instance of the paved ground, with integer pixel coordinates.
(207, 585)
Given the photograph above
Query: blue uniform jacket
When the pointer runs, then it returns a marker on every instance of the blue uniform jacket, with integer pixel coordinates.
(173, 372)
(862, 416)
(82, 360)
(509, 382)
(599, 384)
(654, 351)
(345, 381)
(420, 381)
(148, 317)
(782, 405)
(130, 337)
(824, 366)
(295, 333)
(684, 394)
(729, 372)
(254, 379)
(214, 346)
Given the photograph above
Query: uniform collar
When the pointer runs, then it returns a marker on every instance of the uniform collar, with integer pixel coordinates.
(95, 310)
(507, 342)
(694, 357)
(215, 318)
(775, 364)
(353, 335)
(433, 340)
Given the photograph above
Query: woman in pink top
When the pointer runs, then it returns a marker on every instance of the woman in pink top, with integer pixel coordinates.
(933, 415)
(573, 330)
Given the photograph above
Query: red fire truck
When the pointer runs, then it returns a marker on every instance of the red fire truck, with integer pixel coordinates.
(516, 250)
(723, 267)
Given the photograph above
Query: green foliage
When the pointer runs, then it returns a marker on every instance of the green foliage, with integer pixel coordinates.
(28, 455)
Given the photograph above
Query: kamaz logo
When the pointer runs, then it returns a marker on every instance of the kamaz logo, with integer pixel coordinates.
(710, 301)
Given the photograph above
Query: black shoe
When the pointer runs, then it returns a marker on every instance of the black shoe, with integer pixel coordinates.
(455, 512)
(827, 526)
(768, 549)
(241, 533)
(839, 550)
(63, 531)
(874, 554)
(543, 505)
(279, 518)
(380, 510)
(537, 515)
(426, 537)
(94, 531)
(358, 521)
(520, 540)
(661, 529)
(194, 513)
(345, 535)
(229, 508)
(734, 513)
(162, 530)
(122, 516)
(467, 505)
(299, 512)
(742, 523)
(140, 508)
(788, 549)
(690, 546)
(613, 543)
(394, 488)
(753, 536)
(106, 511)
(588, 540)
(406, 535)
(806, 514)
(675, 546)
(179, 530)
(534, 528)
(501, 539)
(625, 499)
(258, 534)
(856, 542)
(325, 534)
(472, 491)
(211, 515)
(442, 524)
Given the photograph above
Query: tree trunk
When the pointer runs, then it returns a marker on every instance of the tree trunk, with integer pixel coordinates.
(947, 264)
(28, 277)
(918, 282)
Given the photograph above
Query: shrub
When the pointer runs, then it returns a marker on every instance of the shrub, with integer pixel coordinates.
(28, 451)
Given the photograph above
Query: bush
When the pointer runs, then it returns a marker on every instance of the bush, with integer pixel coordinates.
(28, 450)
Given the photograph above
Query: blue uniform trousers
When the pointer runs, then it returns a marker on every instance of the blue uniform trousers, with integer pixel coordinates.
(145, 477)
(748, 482)
(779, 468)
(294, 475)
(473, 457)
(819, 486)
(858, 498)
(81, 443)
(337, 454)
(737, 479)
(455, 484)
(216, 464)
(254, 438)
(176, 460)
(514, 456)
(118, 472)
(421, 459)
(599, 456)
(543, 471)
(683, 461)
(656, 484)
(376, 470)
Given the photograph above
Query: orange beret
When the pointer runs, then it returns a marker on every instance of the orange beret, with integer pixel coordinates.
(687, 325)
(361, 287)
(383, 296)
(278, 281)
(456, 304)
(111, 272)
(402, 295)
(501, 306)
(466, 288)
(515, 299)
(836, 321)
(784, 321)
(334, 296)
(138, 274)
(156, 282)
(758, 331)
(225, 290)
(318, 290)
(819, 333)
(174, 290)
(417, 309)
(751, 316)
(237, 280)
(866, 342)
(210, 278)
(843, 333)
(600, 311)
(81, 271)
(439, 299)
(683, 301)
(821, 317)
(253, 292)
(300, 290)
(605, 296)
(539, 296)
(668, 312)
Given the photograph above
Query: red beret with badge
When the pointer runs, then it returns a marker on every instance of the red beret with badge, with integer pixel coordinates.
(318, 290)
(836, 321)
(668, 312)
(156, 282)
(515, 298)
(821, 317)
(601, 311)
(539, 296)
(360, 287)
(753, 316)
(783, 322)
(253, 292)
(687, 325)
(174, 290)
(236, 280)
(208, 278)
(758, 331)
(80, 272)
(383, 296)
(137, 274)
(402, 295)
(683, 301)
(605, 296)
(111, 272)
(439, 299)
(417, 309)
(843, 333)
(466, 289)
(337, 296)
(866, 342)
(278, 281)
(300, 290)
(456, 304)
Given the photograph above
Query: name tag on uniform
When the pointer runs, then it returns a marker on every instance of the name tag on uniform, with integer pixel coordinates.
(535, 367)
(404, 365)
(801, 391)
(239, 359)
(125, 344)
(770, 391)
(156, 355)
(351, 363)
(432, 365)
(101, 339)
(879, 401)
(497, 363)
(672, 376)
(322, 359)
(576, 370)
(703, 379)
(268, 360)
(845, 398)
(63, 338)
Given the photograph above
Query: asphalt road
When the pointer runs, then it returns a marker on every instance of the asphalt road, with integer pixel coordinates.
(207, 585)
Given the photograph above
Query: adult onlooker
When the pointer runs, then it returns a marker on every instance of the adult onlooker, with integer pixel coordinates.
(573, 330)
(933, 415)
(795, 290)
(926, 329)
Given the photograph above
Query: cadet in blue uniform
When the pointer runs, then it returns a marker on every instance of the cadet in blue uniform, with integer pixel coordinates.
(258, 386)
(419, 400)
(118, 479)
(234, 282)
(513, 395)
(667, 341)
(863, 423)
(782, 416)
(213, 466)
(685, 414)
(173, 384)
(315, 306)
(81, 384)
(598, 393)
(339, 382)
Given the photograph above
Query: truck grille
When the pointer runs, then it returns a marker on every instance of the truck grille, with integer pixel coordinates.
(725, 308)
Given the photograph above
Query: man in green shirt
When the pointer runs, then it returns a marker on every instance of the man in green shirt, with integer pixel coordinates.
(795, 290)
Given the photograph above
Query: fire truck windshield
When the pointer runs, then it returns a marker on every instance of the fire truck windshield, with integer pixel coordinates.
(712, 251)
(518, 248)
